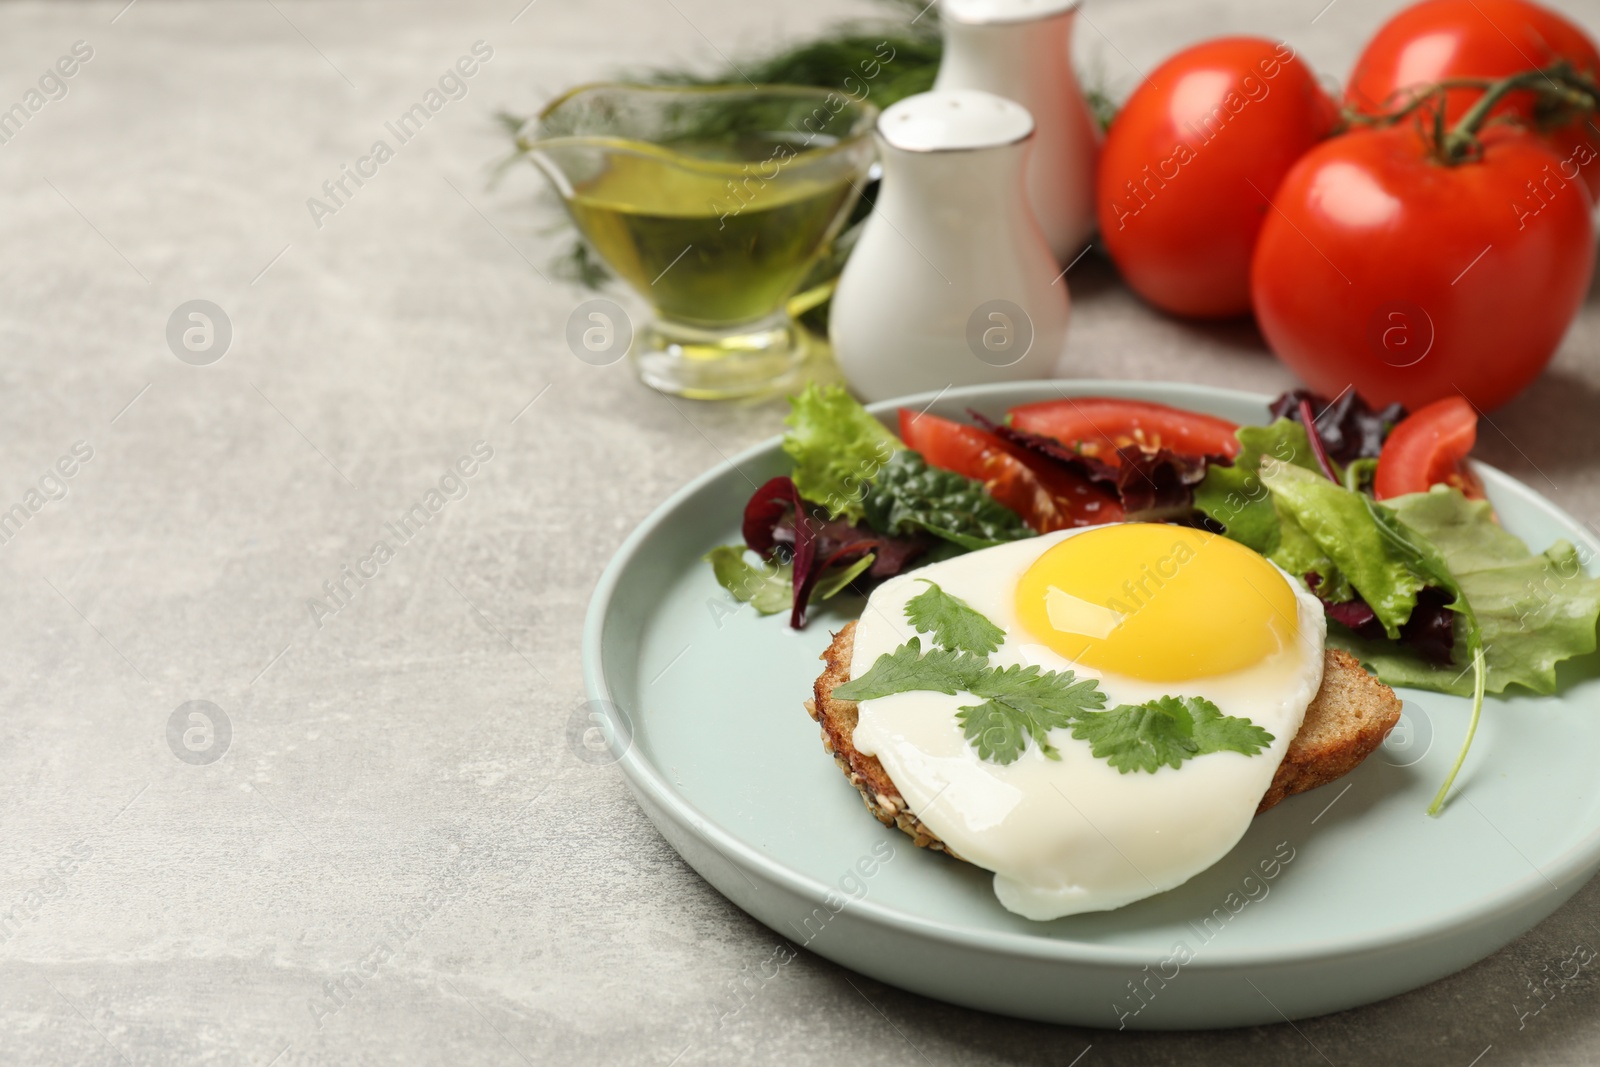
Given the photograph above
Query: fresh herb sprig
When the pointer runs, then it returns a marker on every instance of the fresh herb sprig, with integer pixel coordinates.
(953, 622)
(1019, 703)
(1166, 732)
(1023, 704)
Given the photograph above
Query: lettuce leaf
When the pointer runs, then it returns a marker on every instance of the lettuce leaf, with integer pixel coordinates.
(837, 448)
(770, 588)
(1342, 525)
(1234, 496)
(1535, 609)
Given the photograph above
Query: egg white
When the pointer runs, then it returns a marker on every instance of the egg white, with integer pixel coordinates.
(1074, 835)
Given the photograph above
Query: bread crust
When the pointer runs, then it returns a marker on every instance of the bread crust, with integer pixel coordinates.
(1345, 722)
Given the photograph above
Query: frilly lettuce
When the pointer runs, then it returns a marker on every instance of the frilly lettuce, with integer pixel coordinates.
(1535, 608)
(837, 448)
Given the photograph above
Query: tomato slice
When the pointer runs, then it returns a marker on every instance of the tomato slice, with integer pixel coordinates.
(1427, 448)
(1046, 496)
(1098, 425)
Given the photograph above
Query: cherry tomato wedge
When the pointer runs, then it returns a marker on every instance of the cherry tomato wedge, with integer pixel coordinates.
(1427, 449)
(1097, 426)
(1046, 496)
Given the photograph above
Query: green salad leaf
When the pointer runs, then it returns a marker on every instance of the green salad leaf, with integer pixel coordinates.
(1239, 499)
(1343, 526)
(953, 622)
(1535, 609)
(770, 588)
(837, 448)
(907, 496)
(1235, 496)
(1166, 732)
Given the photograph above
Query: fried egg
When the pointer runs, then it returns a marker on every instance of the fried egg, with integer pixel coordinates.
(1147, 610)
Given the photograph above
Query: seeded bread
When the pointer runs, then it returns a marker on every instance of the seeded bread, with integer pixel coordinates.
(1349, 717)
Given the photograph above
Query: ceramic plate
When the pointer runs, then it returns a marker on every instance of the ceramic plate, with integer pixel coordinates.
(1368, 896)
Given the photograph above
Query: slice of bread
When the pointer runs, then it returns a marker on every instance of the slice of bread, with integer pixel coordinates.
(1348, 718)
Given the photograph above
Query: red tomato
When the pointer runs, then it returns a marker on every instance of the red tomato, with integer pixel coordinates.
(1427, 449)
(1099, 425)
(1191, 162)
(1440, 39)
(1384, 269)
(1046, 496)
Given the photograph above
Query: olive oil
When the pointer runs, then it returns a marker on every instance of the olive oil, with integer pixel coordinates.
(714, 245)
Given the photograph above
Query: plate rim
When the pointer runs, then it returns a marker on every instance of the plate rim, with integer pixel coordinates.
(1540, 884)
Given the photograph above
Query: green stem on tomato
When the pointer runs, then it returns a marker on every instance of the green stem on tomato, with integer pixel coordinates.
(1480, 673)
(1560, 80)
(1414, 99)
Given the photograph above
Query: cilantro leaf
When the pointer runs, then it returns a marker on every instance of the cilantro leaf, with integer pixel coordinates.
(907, 670)
(999, 733)
(1019, 702)
(1039, 693)
(908, 496)
(1166, 732)
(1024, 702)
(953, 622)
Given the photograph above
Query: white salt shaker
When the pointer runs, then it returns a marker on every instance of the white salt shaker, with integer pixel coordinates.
(951, 281)
(1022, 50)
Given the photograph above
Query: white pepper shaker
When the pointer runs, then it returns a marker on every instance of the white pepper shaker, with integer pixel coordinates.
(1022, 50)
(951, 282)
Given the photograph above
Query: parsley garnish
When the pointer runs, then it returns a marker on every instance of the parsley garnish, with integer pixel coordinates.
(953, 622)
(1165, 732)
(1022, 704)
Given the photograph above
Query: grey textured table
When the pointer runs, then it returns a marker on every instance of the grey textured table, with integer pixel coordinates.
(397, 857)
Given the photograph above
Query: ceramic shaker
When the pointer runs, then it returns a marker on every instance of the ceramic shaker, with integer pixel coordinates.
(951, 281)
(1022, 50)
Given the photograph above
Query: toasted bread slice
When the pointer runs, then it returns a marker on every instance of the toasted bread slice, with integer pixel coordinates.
(1348, 718)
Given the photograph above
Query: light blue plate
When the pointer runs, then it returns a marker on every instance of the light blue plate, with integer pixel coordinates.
(703, 700)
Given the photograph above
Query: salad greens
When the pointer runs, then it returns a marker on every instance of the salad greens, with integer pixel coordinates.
(910, 496)
(1342, 525)
(837, 448)
(858, 505)
(1427, 589)
(1394, 574)
(770, 588)
(1234, 496)
(1535, 608)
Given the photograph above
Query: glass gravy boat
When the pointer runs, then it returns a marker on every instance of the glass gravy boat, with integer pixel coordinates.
(712, 204)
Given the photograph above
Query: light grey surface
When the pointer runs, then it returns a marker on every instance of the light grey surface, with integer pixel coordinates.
(401, 775)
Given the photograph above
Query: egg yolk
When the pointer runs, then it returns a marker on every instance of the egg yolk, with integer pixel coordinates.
(1157, 602)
